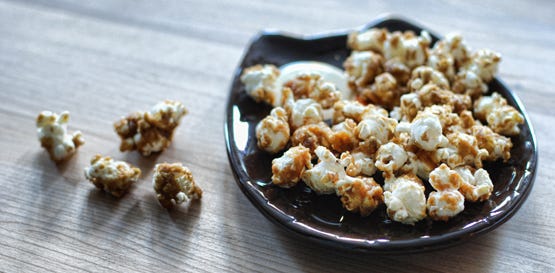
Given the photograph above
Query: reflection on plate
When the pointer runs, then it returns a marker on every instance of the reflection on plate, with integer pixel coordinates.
(322, 218)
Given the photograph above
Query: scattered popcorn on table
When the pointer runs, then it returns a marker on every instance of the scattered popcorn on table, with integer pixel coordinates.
(174, 184)
(419, 118)
(53, 136)
(273, 132)
(150, 132)
(287, 169)
(446, 201)
(115, 177)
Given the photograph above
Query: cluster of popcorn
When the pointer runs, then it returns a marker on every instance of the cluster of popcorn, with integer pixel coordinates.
(420, 119)
(152, 131)
(146, 132)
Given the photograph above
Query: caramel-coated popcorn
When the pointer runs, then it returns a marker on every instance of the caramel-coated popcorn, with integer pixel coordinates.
(152, 131)
(273, 132)
(115, 177)
(287, 169)
(53, 136)
(174, 184)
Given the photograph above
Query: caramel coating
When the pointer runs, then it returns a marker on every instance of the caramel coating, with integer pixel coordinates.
(174, 184)
(287, 169)
(360, 194)
(115, 177)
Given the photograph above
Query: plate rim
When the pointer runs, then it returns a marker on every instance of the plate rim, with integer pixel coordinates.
(412, 245)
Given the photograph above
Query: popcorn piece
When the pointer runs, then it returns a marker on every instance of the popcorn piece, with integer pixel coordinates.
(152, 131)
(431, 95)
(476, 185)
(446, 202)
(453, 45)
(466, 82)
(260, 83)
(426, 131)
(343, 136)
(273, 132)
(423, 75)
(301, 112)
(501, 117)
(323, 177)
(312, 136)
(484, 64)
(358, 163)
(376, 130)
(361, 194)
(311, 85)
(174, 182)
(355, 110)
(287, 169)
(372, 39)
(398, 70)
(462, 149)
(412, 50)
(405, 199)
(53, 136)
(384, 91)
(390, 157)
(442, 61)
(362, 67)
(498, 146)
(115, 177)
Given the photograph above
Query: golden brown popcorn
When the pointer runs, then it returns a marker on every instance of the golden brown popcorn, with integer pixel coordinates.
(152, 131)
(115, 177)
(501, 117)
(375, 130)
(372, 39)
(360, 194)
(410, 49)
(466, 82)
(358, 163)
(384, 91)
(476, 185)
(462, 149)
(362, 67)
(498, 146)
(424, 75)
(324, 175)
(442, 61)
(53, 136)
(398, 70)
(453, 45)
(287, 169)
(483, 63)
(174, 184)
(355, 110)
(312, 136)
(260, 83)
(343, 136)
(446, 202)
(311, 85)
(432, 94)
(273, 132)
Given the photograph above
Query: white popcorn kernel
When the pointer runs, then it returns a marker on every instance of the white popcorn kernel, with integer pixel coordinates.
(273, 132)
(467, 82)
(378, 129)
(358, 163)
(476, 185)
(53, 136)
(446, 202)
(324, 175)
(311, 85)
(454, 45)
(501, 117)
(287, 169)
(362, 67)
(390, 157)
(405, 200)
(260, 83)
(115, 177)
(462, 149)
(426, 132)
(174, 184)
(166, 115)
(410, 49)
(301, 112)
(354, 110)
(424, 75)
(372, 39)
(484, 64)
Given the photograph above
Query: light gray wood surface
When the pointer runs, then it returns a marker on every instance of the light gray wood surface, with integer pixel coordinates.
(103, 59)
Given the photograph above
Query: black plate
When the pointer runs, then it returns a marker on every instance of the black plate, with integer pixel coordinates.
(322, 218)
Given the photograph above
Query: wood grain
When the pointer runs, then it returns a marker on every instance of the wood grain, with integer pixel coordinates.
(103, 59)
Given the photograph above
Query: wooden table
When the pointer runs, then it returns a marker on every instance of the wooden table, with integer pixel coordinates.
(104, 59)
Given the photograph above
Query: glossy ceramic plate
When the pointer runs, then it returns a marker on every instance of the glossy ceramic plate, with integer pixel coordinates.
(322, 218)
